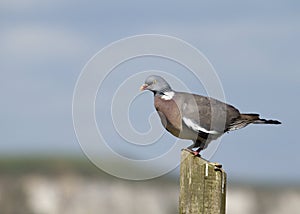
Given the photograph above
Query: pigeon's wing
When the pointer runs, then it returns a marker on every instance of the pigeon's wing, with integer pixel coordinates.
(205, 114)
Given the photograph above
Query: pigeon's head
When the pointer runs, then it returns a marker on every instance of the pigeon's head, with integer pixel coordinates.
(156, 84)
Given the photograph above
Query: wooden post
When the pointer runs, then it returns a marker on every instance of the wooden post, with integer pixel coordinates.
(202, 186)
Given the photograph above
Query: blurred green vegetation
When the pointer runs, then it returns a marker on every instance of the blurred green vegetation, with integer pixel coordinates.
(47, 165)
(59, 165)
(18, 166)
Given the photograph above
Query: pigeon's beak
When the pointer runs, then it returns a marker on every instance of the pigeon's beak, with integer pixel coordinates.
(143, 87)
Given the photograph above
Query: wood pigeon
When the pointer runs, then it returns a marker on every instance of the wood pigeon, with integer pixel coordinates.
(195, 117)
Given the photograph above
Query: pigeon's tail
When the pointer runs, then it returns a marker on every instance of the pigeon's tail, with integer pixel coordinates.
(254, 118)
(246, 119)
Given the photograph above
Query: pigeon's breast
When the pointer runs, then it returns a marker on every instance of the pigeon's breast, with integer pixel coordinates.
(169, 114)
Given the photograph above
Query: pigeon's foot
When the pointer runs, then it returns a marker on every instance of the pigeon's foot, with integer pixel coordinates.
(196, 153)
(217, 166)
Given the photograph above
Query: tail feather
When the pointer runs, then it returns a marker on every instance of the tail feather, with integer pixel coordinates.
(246, 119)
(254, 118)
(264, 121)
(249, 117)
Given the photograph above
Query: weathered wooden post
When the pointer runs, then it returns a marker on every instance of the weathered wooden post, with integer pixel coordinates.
(202, 186)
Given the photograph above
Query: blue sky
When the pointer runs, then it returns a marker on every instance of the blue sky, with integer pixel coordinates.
(253, 46)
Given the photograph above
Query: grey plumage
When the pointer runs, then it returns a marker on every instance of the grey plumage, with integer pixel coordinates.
(195, 117)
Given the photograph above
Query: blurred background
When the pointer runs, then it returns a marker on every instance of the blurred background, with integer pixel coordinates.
(254, 48)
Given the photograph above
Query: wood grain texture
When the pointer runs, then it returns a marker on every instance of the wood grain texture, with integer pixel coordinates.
(202, 186)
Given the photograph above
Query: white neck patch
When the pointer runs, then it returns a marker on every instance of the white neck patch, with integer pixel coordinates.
(168, 95)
